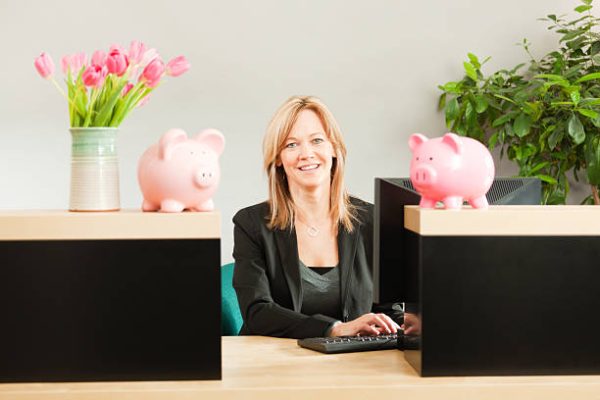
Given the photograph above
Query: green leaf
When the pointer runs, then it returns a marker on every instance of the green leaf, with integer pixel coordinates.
(452, 109)
(471, 119)
(80, 101)
(576, 44)
(105, 113)
(575, 96)
(473, 59)
(588, 113)
(481, 104)
(572, 34)
(547, 179)
(552, 77)
(505, 98)
(590, 101)
(442, 101)
(588, 2)
(492, 141)
(451, 87)
(502, 119)
(573, 71)
(592, 159)
(538, 167)
(553, 83)
(581, 9)
(533, 109)
(509, 129)
(588, 77)
(576, 130)
(460, 129)
(596, 122)
(522, 125)
(470, 70)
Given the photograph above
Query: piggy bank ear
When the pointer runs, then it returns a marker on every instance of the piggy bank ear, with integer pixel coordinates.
(415, 140)
(168, 141)
(454, 141)
(212, 138)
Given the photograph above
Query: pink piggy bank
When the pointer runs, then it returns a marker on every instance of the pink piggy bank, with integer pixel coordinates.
(181, 173)
(450, 169)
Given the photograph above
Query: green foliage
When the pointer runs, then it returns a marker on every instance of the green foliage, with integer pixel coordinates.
(545, 117)
(106, 105)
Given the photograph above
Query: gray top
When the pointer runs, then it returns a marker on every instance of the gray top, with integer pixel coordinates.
(321, 293)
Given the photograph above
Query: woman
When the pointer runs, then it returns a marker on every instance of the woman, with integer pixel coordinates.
(303, 258)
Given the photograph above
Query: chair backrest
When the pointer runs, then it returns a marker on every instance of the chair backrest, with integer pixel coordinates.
(231, 318)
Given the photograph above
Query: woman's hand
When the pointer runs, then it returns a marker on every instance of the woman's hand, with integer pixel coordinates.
(412, 324)
(367, 324)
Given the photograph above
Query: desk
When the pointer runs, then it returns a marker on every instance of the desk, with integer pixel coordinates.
(268, 368)
(508, 290)
(109, 296)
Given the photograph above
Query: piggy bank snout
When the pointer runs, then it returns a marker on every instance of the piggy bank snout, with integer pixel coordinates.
(424, 175)
(206, 176)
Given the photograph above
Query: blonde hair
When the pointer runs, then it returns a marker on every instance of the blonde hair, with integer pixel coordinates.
(282, 210)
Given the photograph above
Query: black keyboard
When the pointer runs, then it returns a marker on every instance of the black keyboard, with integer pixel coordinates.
(348, 344)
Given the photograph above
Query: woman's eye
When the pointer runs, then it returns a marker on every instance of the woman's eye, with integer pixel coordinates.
(290, 145)
(318, 140)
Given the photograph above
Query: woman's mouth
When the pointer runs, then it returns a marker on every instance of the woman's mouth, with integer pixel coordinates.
(309, 167)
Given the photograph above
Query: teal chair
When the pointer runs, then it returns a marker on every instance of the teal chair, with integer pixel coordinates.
(231, 318)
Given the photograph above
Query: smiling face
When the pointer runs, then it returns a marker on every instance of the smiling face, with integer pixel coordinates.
(307, 154)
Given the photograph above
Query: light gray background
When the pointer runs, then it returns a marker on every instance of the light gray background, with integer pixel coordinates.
(376, 64)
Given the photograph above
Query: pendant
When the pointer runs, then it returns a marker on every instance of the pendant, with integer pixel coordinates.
(312, 231)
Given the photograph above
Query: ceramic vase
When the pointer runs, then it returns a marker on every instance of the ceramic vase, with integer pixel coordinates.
(94, 170)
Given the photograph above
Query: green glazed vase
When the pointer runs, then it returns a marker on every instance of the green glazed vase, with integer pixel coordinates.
(94, 170)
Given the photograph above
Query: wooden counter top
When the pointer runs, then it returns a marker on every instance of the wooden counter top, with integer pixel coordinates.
(505, 221)
(125, 224)
(267, 368)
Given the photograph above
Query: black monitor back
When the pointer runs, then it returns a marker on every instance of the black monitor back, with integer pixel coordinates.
(392, 283)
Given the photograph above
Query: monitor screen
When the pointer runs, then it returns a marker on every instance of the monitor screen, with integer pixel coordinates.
(391, 281)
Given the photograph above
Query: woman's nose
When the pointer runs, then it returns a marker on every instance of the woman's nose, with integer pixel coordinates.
(306, 151)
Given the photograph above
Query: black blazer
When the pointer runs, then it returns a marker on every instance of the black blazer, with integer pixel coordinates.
(267, 276)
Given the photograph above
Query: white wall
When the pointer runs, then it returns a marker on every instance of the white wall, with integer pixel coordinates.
(376, 64)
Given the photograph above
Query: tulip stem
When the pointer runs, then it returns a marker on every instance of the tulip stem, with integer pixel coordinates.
(60, 89)
(63, 93)
(88, 117)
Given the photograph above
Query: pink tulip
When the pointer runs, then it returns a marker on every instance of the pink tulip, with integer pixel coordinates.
(99, 58)
(116, 46)
(126, 89)
(73, 62)
(44, 65)
(177, 66)
(117, 62)
(153, 72)
(136, 52)
(93, 76)
(144, 101)
(64, 63)
(149, 56)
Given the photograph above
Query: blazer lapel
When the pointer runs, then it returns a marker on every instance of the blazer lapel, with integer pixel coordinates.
(346, 251)
(287, 245)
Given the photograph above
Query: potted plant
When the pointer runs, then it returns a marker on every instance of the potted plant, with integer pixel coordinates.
(545, 117)
(101, 92)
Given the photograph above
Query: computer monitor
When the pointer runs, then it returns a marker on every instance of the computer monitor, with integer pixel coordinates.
(391, 281)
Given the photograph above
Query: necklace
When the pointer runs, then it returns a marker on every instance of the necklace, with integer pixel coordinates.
(312, 231)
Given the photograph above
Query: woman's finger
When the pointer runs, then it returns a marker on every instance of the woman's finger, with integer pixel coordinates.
(388, 323)
(391, 323)
(370, 330)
